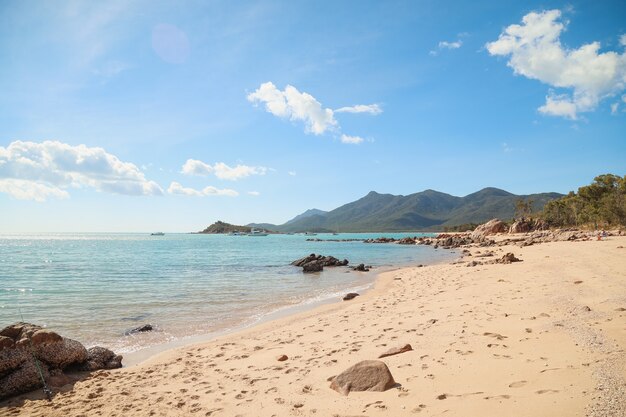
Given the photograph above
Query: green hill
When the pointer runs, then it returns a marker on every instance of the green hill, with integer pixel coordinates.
(426, 210)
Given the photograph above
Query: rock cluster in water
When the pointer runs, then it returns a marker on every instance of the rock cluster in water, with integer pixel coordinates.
(29, 352)
(316, 263)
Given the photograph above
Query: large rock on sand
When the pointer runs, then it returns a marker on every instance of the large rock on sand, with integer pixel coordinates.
(490, 228)
(396, 351)
(364, 376)
(26, 347)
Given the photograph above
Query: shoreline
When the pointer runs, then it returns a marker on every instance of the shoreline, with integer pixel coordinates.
(136, 358)
(486, 340)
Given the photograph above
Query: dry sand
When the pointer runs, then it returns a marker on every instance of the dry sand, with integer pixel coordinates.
(542, 337)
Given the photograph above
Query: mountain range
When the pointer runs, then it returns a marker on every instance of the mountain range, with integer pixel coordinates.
(423, 211)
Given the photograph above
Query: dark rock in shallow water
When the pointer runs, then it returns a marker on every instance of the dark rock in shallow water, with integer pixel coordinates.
(25, 347)
(361, 267)
(316, 263)
(350, 296)
(140, 329)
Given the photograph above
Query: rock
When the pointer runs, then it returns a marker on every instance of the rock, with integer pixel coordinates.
(507, 259)
(396, 351)
(62, 354)
(25, 345)
(364, 376)
(6, 342)
(140, 329)
(43, 336)
(350, 296)
(360, 267)
(23, 379)
(313, 266)
(490, 228)
(520, 226)
(101, 358)
(282, 358)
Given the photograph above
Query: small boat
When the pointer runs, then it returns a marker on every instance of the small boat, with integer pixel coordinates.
(236, 234)
(255, 232)
(157, 234)
(310, 234)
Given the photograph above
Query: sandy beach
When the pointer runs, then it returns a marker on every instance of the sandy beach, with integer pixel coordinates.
(541, 337)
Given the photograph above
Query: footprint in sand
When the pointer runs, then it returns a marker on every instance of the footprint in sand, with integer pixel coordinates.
(547, 391)
(517, 384)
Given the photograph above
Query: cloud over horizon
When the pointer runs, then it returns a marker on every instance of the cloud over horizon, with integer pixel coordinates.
(535, 51)
(373, 109)
(221, 170)
(178, 189)
(38, 171)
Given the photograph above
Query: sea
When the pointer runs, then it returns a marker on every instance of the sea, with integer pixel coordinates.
(96, 287)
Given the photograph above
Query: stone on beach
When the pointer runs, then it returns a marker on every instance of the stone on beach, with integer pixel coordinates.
(316, 263)
(490, 228)
(140, 329)
(369, 375)
(396, 351)
(282, 358)
(27, 347)
(350, 296)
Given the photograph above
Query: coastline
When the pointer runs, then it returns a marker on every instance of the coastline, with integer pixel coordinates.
(486, 340)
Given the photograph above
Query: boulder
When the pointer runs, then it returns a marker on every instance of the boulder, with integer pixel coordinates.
(396, 351)
(101, 358)
(350, 296)
(282, 358)
(490, 228)
(62, 354)
(364, 376)
(27, 347)
(23, 379)
(507, 259)
(521, 226)
(313, 266)
(360, 267)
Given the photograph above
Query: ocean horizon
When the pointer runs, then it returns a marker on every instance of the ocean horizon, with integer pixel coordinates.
(96, 287)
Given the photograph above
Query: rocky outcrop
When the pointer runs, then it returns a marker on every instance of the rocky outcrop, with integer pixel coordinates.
(361, 268)
(27, 349)
(492, 227)
(316, 263)
(364, 376)
(527, 225)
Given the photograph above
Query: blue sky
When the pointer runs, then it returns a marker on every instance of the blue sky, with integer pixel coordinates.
(151, 115)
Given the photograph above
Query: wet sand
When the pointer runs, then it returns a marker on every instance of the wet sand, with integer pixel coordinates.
(541, 337)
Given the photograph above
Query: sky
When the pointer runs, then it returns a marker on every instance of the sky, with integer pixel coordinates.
(140, 116)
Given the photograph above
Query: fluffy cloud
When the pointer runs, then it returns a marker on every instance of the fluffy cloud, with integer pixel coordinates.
(254, 193)
(221, 170)
(294, 105)
(535, 51)
(38, 171)
(373, 109)
(177, 188)
(352, 140)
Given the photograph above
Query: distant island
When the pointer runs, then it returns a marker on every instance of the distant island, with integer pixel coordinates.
(220, 227)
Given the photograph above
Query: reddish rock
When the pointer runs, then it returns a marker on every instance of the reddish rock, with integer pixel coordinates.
(396, 351)
(44, 336)
(282, 358)
(364, 376)
(490, 228)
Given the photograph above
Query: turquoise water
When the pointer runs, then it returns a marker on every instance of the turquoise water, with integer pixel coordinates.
(95, 287)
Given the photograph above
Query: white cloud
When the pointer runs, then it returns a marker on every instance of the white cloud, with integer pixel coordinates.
(353, 140)
(447, 45)
(450, 45)
(177, 188)
(30, 190)
(37, 171)
(535, 51)
(373, 109)
(254, 193)
(614, 108)
(292, 173)
(294, 105)
(622, 40)
(221, 170)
